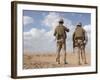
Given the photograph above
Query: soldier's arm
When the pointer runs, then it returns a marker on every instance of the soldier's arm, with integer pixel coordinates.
(55, 32)
(86, 37)
(66, 29)
(73, 37)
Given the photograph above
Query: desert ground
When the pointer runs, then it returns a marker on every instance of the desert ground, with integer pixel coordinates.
(48, 60)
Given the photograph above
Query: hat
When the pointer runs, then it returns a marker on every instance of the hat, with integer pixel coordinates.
(61, 21)
(79, 24)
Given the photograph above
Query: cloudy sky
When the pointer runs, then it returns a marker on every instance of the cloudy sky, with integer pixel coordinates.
(38, 29)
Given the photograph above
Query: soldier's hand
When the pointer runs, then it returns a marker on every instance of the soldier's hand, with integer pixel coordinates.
(85, 42)
(67, 30)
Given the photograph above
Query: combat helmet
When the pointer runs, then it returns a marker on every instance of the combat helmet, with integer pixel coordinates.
(61, 21)
(79, 24)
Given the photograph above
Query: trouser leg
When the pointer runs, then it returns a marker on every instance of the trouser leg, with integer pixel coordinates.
(65, 57)
(79, 58)
(58, 54)
(84, 55)
(65, 54)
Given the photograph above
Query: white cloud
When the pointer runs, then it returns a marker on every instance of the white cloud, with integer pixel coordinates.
(51, 20)
(87, 28)
(27, 20)
(39, 40)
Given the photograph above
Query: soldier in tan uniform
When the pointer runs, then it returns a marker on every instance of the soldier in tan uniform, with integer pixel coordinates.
(79, 40)
(60, 34)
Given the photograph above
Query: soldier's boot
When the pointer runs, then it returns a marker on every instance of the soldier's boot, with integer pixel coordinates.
(85, 61)
(58, 60)
(65, 62)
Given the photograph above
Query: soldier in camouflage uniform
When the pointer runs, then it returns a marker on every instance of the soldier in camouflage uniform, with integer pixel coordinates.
(60, 34)
(79, 40)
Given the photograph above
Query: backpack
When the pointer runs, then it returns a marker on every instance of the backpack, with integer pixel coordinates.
(60, 32)
(79, 33)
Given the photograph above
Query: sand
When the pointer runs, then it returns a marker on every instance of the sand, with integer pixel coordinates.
(45, 60)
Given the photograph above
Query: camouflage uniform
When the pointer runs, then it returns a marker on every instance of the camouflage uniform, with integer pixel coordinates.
(80, 40)
(60, 34)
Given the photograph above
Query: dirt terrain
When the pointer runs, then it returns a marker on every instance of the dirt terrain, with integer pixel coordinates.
(48, 60)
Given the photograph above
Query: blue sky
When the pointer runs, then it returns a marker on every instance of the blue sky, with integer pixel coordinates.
(38, 16)
(38, 29)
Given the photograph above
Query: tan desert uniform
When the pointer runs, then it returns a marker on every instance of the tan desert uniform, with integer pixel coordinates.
(79, 40)
(60, 34)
